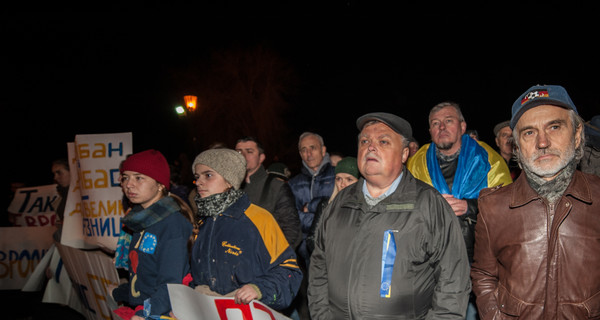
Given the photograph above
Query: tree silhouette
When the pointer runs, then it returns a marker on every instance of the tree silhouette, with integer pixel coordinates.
(241, 91)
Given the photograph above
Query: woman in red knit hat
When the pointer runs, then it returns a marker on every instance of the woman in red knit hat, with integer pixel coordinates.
(160, 228)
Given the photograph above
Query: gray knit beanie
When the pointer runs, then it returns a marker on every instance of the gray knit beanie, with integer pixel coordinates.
(228, 163)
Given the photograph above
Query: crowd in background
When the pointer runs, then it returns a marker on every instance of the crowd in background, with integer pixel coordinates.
(252, 230)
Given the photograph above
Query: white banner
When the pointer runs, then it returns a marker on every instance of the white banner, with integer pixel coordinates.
(21, 250)
(188, 304)
(35, 206)
(98, 159)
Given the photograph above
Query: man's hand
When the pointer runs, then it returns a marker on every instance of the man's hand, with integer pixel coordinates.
(245, 294)
(459, 206)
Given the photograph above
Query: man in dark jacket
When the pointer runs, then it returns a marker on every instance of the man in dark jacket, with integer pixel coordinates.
(268, 192)
(537, 241)
(388, 246)
(314, 183)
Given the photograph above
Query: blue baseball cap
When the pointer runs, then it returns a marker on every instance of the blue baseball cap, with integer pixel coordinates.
(539, 95)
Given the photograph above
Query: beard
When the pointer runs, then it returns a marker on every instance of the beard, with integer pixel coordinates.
(445, 145)
(547, 172)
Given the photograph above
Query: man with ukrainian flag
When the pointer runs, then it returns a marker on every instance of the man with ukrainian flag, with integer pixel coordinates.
(458, 167)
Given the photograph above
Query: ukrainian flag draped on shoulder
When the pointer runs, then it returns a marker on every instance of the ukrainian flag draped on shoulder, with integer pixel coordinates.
(479, 166)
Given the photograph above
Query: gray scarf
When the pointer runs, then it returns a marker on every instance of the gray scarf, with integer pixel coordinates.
(552, 190)
(216, 204)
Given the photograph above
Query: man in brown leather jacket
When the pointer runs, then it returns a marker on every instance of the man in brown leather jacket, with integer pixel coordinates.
(537, 241)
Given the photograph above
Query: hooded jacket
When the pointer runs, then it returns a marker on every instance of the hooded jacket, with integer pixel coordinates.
(536, 261)
(426, 278)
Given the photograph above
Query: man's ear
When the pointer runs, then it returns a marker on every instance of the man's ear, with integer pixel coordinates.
(261, 158)
(463, 127)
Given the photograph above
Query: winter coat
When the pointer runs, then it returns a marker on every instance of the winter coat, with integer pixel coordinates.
(536, 261)
(245, 245)
(308, 191)
(157, 255)
(429, 276)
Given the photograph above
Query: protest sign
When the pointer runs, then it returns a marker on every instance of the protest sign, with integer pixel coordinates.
(72, 230)
(34, 206)
(98, 157)
(21, 250)
(188, 304)
(92, 273)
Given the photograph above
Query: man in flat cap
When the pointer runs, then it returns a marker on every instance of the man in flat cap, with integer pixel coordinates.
(537, 242)
(389, 245)
(504, 142)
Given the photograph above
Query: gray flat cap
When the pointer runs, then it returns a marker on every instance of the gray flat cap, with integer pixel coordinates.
(396, 123)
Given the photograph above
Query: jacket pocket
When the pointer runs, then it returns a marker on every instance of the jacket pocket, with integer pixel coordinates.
(592, 306)
(508, 304)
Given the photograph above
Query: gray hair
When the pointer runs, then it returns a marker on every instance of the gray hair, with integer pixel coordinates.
(306, 134)
(445, 104)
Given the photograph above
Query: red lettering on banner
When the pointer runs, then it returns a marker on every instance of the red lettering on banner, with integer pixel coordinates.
(224, 304)
(260, 307)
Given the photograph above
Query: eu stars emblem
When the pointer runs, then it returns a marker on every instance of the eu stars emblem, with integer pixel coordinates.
(148, 243)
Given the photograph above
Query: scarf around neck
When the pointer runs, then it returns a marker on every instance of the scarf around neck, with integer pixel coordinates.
(138, 220)
(216, 204)
(552, 190)
(471, 171)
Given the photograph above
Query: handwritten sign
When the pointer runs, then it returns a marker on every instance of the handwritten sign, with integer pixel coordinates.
(21, 250)
(97, 204)
(92, 273)
(35, 206)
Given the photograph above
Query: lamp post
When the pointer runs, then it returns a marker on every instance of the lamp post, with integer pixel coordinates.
(191, 102)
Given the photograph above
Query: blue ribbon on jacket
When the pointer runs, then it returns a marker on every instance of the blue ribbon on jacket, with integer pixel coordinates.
(388, 258)
(471, 172)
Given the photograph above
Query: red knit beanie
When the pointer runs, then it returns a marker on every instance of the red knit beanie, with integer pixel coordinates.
(151, 163)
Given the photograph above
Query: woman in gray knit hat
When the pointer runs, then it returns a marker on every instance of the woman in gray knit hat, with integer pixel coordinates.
(240, 250)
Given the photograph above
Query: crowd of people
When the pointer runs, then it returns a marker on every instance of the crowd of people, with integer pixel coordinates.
(452, 229)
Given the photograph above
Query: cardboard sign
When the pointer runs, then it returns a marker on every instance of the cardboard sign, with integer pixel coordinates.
(97, 203)
(35, 206)
(92, 273)
(21, 250)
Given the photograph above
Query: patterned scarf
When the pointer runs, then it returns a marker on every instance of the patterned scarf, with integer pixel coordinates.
(216, 204)
(552, 190)
(138, 220)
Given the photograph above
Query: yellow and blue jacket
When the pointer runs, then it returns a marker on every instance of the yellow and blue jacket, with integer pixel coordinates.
(245, 245)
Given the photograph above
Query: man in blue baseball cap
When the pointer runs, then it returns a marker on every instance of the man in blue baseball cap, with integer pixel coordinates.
(537, 242)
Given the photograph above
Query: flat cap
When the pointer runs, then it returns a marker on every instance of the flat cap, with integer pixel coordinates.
(396, 123)
(501, 125)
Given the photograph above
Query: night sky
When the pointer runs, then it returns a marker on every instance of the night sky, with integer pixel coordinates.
(67, 74)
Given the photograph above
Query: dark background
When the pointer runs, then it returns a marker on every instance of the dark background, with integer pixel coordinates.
(75, 73)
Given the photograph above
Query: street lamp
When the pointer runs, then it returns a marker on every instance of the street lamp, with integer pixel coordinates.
(191, 102)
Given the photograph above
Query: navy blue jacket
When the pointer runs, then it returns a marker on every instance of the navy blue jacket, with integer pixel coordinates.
(311, 189)
(245, 245)
(157, 255)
